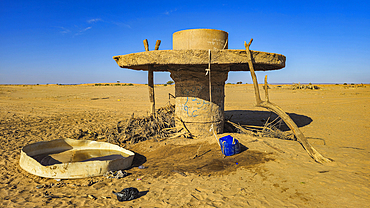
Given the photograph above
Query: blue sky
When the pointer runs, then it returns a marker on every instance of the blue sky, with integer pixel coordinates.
(74, 41)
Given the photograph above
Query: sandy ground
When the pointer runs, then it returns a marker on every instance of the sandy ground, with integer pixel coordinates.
(268, 173)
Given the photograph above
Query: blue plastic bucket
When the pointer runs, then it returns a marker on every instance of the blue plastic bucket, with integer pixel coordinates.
(229, 145)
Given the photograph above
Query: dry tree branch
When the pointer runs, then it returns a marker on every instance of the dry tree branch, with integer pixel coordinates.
(280, 112)
(183, 125)
(240, 128)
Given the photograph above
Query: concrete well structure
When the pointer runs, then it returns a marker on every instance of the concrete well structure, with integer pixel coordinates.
(199, 91)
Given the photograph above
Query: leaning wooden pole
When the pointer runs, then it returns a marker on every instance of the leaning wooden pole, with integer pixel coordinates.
(280, 112)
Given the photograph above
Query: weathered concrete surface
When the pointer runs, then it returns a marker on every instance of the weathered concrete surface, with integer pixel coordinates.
(165, 60)
(200, 39)
(193, 104)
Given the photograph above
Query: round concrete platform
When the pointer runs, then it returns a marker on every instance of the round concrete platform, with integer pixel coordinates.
(165, 60)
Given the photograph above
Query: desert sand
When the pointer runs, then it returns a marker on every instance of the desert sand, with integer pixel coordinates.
(269, 172)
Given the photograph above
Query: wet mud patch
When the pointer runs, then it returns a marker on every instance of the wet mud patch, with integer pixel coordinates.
(181, 159)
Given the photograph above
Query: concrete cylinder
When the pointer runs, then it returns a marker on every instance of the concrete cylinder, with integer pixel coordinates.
(200, 39)
(193, 104)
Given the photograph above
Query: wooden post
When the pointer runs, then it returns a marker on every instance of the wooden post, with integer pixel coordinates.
(150, 76)
(157, 44)
(266, 90)
(151, 88)
(146, 45)
(254, 77)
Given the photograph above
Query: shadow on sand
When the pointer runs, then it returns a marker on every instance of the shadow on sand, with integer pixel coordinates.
(259, 118)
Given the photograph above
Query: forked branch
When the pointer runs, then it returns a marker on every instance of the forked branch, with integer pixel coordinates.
(280, 112)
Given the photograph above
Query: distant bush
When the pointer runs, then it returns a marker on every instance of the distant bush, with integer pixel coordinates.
(345, 84)
(239, 83)
(98, 84)
(130, 84)
(165, 85)
(301, 86)
(170, 82)
(117, 84)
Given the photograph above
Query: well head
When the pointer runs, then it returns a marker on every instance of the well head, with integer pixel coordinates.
(200, 98)
(202, 39)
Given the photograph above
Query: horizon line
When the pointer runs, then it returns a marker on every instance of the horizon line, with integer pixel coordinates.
(277, 83)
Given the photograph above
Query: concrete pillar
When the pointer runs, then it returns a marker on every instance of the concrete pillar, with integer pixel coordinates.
(193, 104)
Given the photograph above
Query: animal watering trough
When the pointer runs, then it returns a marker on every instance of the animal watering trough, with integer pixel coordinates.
(199, 64)
(69, 158)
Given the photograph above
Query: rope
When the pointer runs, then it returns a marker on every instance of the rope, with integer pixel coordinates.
(209, 78)
(203, 121)
(212, 129)
(208, 72)
(225, 43)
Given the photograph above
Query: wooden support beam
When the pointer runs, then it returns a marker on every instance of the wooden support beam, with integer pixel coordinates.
(150, 76)
(151, 89)
(266, 90)
(146, 45)
(157, 44)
